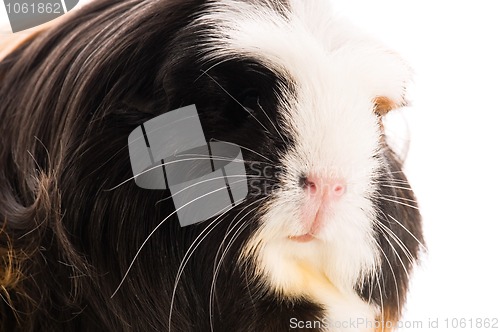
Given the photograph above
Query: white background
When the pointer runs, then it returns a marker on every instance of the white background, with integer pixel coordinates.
(453, 162)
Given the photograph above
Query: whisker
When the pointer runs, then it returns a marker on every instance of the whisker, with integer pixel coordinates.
(405, 249)
(224, 253)
(399, 257)
(196, 243)
(399, 198)
(256, 177)
(396, 187)
(253, 151)
(381, 301)
(166, 164)
(230, 228)
(395, 181)
(240, 146)
(127, 145)
(393, 201)
(204, 156)
(393, 274)
(395, 172)
(406, 229)
(155, 229)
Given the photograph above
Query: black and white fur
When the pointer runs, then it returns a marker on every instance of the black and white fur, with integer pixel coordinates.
(294, 86)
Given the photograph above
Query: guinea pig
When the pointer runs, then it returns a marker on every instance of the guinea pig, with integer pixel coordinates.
(325, 239)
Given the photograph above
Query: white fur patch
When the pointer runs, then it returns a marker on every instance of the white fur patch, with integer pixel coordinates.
(337, 73)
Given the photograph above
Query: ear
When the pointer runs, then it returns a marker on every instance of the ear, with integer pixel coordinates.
(382, 105)
(389, 89)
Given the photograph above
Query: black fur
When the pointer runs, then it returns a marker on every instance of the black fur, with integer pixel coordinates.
(69, 99)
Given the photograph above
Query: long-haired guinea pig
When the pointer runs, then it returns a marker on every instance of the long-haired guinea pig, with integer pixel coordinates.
(325, 238)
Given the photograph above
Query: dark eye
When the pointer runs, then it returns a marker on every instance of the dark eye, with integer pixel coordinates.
(250, 101)
(245, 107)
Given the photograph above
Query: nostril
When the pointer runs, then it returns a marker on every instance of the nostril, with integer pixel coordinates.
(323, 186)
(338, 190)
(307, 184)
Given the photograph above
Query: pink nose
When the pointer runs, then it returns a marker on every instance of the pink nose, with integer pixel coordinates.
(324, 187)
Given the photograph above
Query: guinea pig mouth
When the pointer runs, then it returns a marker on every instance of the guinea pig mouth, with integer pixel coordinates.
(313, 228)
